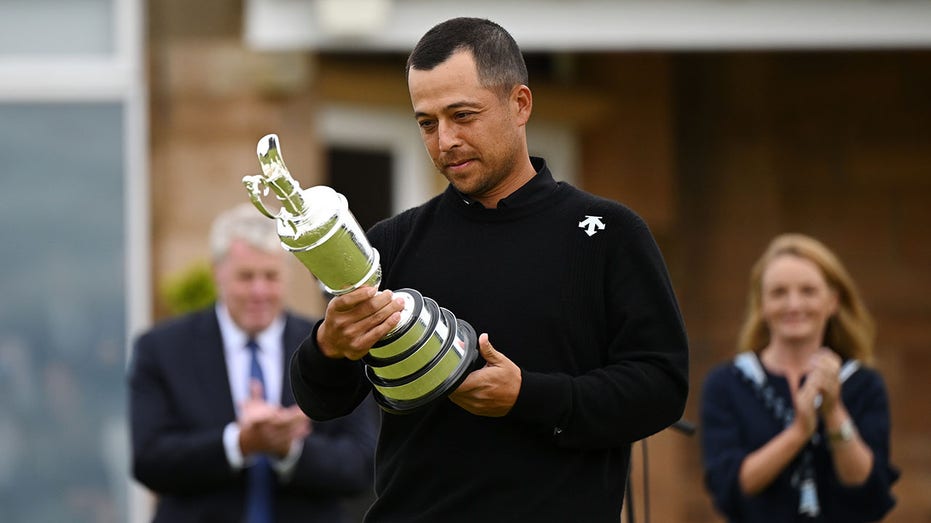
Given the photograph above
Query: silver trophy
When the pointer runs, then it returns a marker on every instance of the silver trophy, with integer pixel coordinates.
(428, 354)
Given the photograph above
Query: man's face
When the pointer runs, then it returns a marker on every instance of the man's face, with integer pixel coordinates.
(473, 135)
(250, 282)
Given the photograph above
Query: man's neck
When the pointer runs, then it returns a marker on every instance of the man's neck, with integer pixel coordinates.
(523, 173)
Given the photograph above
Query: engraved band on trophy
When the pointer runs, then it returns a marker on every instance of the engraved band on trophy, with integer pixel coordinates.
(428, 354)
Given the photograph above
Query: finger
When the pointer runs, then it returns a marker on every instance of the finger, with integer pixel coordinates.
(487, 350)
(295, 410)
(291, 416)
(827, 366)
(814, 379)
(806, 394)
(388, 312)
(362, 335)
(368, 303)
(351, 300)
(368, 316)
(829, 354)
(351, 332)
(256, 391)
(287, 425)
(385, 326)
(827, 359)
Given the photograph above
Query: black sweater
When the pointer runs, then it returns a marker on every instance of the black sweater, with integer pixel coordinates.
(591, 320)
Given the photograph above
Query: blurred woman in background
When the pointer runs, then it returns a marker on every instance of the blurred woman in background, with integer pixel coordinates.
(796, 427)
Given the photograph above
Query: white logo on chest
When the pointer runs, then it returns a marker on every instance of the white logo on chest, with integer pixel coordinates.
(591, 225)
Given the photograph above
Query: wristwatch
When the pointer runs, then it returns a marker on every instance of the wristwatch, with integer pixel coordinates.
(844, 433)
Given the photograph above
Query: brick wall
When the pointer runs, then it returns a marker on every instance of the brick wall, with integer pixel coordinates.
(836, 145)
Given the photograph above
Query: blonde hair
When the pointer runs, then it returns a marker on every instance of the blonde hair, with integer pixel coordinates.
(243, 222)
(850, 332)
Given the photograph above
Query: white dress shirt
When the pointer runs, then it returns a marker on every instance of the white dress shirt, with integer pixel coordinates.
(238, 362)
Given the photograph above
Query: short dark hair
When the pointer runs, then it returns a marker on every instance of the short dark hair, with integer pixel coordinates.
(497, 56)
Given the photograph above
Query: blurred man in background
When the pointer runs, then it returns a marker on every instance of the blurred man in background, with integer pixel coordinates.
(215, 432)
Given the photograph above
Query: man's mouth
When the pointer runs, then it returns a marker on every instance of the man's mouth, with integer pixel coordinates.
(457, 164)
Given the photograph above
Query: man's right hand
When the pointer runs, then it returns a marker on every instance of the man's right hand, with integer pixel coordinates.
(356, 320)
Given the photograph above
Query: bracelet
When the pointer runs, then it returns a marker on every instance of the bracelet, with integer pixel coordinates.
(844, 433)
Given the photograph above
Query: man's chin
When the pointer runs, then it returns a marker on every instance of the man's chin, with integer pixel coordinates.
(257, 324)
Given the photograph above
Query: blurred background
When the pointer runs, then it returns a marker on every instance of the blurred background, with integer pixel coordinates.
(126, 126)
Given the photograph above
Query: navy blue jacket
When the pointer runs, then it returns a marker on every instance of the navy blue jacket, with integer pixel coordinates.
(180, 402)
(734, 423)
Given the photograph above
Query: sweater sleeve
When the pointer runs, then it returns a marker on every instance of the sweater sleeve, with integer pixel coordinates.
(642, 386)
(866, 399)
(323, 387)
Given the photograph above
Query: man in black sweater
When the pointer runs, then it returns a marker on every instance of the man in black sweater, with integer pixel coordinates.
(584, 346)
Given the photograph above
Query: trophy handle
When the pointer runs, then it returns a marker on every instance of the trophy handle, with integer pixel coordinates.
(277, 177)
(257, 188)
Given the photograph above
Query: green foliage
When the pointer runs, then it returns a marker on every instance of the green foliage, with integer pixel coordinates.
(189, 289)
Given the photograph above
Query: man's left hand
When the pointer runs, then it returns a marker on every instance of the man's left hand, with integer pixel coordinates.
(493, 389)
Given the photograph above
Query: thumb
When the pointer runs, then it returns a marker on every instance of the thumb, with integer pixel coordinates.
(256, 391)
(487, 350)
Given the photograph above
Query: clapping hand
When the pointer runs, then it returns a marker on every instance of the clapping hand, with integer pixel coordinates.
(268, 428)
(820, 394)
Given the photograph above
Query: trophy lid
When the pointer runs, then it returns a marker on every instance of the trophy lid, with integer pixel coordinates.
(323, 203)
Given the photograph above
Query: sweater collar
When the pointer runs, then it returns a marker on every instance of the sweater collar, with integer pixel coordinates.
(537, 188)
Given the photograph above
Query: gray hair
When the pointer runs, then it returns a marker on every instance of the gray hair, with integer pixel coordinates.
(243, 222)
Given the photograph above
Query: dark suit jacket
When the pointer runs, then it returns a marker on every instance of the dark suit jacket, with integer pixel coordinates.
(180, 402)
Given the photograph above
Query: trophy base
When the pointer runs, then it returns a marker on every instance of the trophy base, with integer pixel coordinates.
(443, 374)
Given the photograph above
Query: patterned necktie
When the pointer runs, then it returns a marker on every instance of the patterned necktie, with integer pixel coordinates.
(260, 475)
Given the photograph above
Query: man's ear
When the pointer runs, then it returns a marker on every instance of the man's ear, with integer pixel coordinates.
(522, 101)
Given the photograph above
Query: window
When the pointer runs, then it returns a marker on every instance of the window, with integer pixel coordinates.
(364, 178)
(62, 319)
(75, 272)
(57, 27)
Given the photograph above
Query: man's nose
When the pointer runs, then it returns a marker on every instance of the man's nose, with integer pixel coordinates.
(260, 285)
(447, 135)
